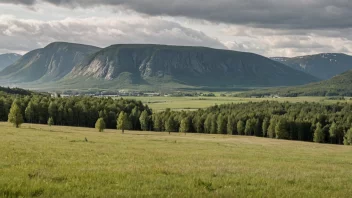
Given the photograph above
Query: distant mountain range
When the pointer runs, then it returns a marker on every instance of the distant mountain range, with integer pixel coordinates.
(75, 65)
(47, 64)
(8, 59)
(322, 66)
(339, 85)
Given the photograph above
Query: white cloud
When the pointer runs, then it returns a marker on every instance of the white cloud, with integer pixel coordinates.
(25, 34)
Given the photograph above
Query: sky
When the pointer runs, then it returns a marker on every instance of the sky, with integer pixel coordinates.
(270, 28)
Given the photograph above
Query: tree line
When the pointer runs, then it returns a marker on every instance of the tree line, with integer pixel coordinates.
(75, 111)
(292, 121)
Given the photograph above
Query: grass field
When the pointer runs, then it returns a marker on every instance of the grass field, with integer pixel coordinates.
(193, 103)
(47, 161)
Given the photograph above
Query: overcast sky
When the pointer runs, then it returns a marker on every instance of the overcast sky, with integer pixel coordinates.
(267, 27)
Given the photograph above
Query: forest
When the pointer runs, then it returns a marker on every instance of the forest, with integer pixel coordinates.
(321, 123)
(316, 122)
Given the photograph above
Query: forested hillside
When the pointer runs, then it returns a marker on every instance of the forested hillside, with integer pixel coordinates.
(19, 91)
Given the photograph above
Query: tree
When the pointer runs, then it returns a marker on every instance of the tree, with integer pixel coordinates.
(240, 127)
(265, 126)
(170, 124)
(29, 112)
(100, 125)
(158, 122)
(122, 122)
(271, 128)
(250, 126)
(15, 117)
(319, 135)
(221, 124)
(144, 120)
(348, 137)
(333, 132)
(230, 125)
(207, 124)
(50, 121)
(281, 129)
(185, 125)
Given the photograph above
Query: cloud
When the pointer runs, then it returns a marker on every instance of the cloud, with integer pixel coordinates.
(272, 42)
(278, 14)
(25, 35)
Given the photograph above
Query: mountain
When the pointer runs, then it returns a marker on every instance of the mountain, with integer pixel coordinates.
(8, 59)
(47, 64)
(193, 66)
(340, 85)
(322, 66)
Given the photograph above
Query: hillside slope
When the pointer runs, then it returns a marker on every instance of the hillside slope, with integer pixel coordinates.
(47, 64)
(8, 59)
(340, 85)
(195, 66)
(323, 66)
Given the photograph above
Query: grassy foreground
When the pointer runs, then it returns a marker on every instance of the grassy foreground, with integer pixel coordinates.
(58, 162)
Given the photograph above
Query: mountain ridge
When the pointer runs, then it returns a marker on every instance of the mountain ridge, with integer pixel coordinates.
(8, 59)
(78, 65)
(46, 64)
(323, 65)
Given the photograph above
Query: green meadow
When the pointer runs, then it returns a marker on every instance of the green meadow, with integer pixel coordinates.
(43, 161)
(193, 103)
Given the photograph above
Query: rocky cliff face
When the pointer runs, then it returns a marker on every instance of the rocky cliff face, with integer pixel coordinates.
(188, 65)
(48, 64)
(323, 66)
(8, 59)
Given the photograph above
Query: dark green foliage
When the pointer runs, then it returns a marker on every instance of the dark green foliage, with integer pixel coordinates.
(292, 121)
(281, 129)
(71, 111)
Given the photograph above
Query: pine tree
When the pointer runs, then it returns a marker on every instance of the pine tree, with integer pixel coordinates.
(50, 121)
(122, 122)
(144, 120)
(319, 135)
(15, 117)
(100, 125)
